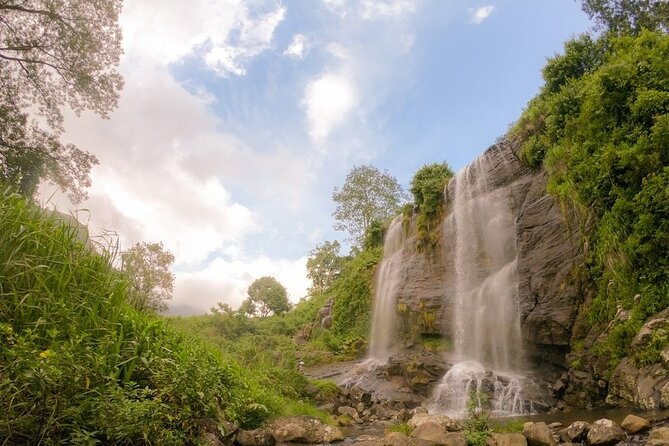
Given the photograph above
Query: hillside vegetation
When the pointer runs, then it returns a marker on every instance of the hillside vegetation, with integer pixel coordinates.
(600, 127)
(79, 365)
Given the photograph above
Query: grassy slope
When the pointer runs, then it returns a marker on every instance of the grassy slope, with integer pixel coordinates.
(78, 365)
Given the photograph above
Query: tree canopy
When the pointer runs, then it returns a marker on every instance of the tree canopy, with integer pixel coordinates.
(323, 266)
(629, 16)
(148, 267)
(266, 296)
(367, 195)
(54, 54)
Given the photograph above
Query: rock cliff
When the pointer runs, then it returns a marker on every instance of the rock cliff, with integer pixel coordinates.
(547, 243)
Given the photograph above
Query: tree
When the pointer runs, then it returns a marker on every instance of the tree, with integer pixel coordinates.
(29, 155)
(367, 195)
(629, 16)
(323, 266)
(148, 267)
(54, 54)
(265, 296)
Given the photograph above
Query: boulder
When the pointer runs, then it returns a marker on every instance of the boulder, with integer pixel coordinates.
(538, 434)
(347, 410)
(256, 437)
(397, 439)
(452, 439)
(645, 387)
(435, 434)
(605, 432)
(576, 432)
(304, 430)
(447, 423)
(513, 439)
(658, 437)
(428, 431)
(633, 424)
(219, 432)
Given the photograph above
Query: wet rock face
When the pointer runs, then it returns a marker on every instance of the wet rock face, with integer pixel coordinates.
(548, 249)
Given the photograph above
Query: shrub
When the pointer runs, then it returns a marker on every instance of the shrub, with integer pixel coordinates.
(427, 188)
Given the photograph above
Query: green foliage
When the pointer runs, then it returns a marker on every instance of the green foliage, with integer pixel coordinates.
(326, 391)
(352, 302)
(323, 266)
(402, 428)
(427, 188)
(650, 354)
(507, 427)
(367, 195)
(435, 343)
(147, 265)
(600, 127)
(265, 296)
(54, 54)
(374, 236)
(477, 427)
(629, 16)
(79, 363)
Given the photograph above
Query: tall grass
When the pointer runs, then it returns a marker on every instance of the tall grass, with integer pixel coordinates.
(78, 365)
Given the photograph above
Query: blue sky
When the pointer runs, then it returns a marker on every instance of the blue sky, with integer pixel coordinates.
(240, 117)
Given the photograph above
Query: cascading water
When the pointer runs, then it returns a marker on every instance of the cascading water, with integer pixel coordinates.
(486, 323)
(384, 322)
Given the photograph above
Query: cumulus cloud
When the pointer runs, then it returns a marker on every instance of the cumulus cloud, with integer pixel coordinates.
(297, 47)
(229, 33)
(165, 162)
(227, 281)
(478, 15)
(328, 100)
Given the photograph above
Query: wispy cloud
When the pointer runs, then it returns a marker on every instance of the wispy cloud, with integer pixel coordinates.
(478, 15)
(377, 9)
(297, 47)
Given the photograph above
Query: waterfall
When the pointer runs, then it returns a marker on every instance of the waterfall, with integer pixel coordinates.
(388, 274)
(486, 323)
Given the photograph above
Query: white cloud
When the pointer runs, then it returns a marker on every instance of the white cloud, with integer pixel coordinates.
(478, 15)
(328, 101)
(227, 31)
(338, 7)
(297, 47)
(227, 280)
(379, 9)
